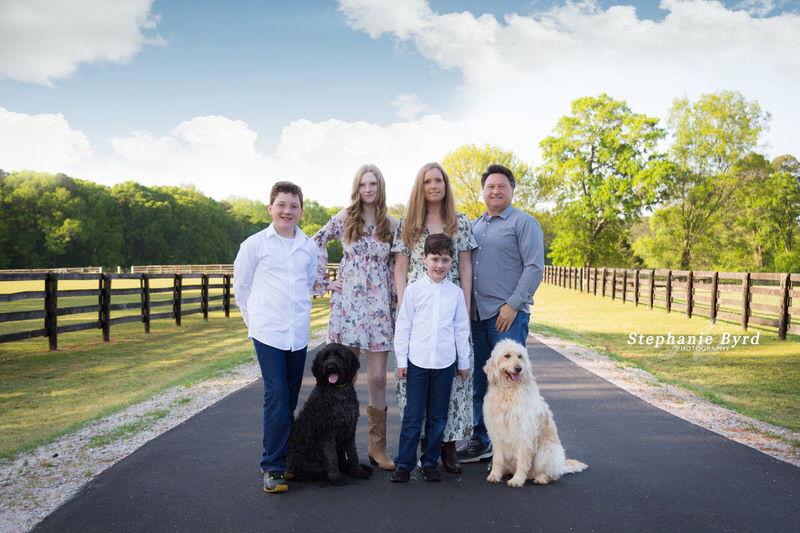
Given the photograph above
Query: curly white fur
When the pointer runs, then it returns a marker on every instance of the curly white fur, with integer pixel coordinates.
(520, 423)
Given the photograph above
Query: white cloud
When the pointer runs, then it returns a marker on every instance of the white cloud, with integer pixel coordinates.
(408, 106)
(45, 142)
(522, 74)
(218, 155)
(215, 153)
(45, 40)
(322, 157)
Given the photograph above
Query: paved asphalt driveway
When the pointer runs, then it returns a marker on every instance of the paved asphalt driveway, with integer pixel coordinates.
(648, 471)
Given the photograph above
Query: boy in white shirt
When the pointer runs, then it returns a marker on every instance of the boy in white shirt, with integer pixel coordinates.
(431, 340)
(272, 278)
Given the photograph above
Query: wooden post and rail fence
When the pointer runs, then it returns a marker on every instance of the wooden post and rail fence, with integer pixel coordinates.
(187, 294)
(764, 299)
(180, 289)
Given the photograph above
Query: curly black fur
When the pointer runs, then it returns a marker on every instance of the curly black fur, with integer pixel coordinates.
(322, 444)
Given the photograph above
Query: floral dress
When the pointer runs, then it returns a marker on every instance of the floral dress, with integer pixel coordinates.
(459, 414)
(361, 315)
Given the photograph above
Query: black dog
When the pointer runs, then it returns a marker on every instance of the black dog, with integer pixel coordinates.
(322, 444)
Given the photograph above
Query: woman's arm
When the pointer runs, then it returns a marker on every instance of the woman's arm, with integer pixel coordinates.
(465, 275)
(401, 263)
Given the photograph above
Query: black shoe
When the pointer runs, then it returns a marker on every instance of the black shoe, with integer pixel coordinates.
(400, 475)
(431, 473)
(475, 451)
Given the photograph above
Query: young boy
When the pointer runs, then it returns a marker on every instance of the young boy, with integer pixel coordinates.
(431, 340)
(272, 279)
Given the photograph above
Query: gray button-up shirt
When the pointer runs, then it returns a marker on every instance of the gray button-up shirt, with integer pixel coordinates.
(508, 264)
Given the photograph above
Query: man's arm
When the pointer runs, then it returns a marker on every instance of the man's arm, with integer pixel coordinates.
(530, 244)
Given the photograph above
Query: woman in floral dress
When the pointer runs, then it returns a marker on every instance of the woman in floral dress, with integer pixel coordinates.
(363, 295)
(431, 209)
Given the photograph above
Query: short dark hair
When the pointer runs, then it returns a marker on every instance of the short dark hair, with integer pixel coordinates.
(439, 244)
(498, 169)
(287, 187)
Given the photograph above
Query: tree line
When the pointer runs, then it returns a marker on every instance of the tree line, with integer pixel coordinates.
(51, 221)
(615, 188)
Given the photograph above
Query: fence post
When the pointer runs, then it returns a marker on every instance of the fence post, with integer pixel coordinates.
(594, 284)
(145, 283)
(613, 284)
(51, 309)
(603, 285)
(176, 298)
(624, 285)
(204, 296)
(669, 291)
(652, 288)
(636, 288)
(714, 290)
(745, 300)
(783, 318)
(226, 294)
(105, 306)
(689, 293)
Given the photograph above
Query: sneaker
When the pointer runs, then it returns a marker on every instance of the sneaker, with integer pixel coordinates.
(475, 451)
(275, 482)
(288, 476)
(431, 473)
(400, 475)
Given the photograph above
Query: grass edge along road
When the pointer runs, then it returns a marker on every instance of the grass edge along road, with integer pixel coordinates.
(44, 395)
(750, 372)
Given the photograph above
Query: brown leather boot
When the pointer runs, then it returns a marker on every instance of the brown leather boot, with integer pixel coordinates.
(449, 458)
(376, 451)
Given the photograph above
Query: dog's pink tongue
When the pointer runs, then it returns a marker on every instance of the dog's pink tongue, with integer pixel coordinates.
(514, 377)
(333, 378)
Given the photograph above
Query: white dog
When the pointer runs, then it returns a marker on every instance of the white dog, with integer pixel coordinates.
(520, 423)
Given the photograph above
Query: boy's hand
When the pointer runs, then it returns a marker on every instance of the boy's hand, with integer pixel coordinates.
(402, 373)
(463, 373)
(335, 286)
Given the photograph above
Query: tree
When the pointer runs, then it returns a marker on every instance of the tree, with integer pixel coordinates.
(784, 214)
(466, 164)
(602, 169)
(710, 137)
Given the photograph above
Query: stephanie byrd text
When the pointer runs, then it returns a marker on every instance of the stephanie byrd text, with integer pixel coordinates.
(725, 339)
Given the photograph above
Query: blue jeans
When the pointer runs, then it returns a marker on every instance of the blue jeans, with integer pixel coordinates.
(484, 338)
(282, 371)
(427, 389)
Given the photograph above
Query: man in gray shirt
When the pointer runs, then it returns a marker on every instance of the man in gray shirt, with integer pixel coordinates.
(507, 268)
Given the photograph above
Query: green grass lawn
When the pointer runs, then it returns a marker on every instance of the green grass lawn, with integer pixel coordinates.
(46, 394)
(759, 380)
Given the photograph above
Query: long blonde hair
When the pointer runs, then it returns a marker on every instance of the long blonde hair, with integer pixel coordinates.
(414, 225)
(354, 221)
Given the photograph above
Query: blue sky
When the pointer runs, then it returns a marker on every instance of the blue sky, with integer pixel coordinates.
(232, 96)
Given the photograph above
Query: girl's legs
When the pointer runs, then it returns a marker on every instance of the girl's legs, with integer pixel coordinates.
(376, 379)
(376, 409)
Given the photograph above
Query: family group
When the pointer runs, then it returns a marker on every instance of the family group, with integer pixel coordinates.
(437, 289)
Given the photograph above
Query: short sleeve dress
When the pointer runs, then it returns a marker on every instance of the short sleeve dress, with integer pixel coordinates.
(361, 315)
(459, 415)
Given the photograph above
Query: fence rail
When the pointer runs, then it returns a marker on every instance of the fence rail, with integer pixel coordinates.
(182, 269)
(714, 295)
(182, 301)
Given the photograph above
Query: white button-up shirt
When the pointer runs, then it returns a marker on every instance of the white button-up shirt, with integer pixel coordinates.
(432, 328)
(272, 280)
